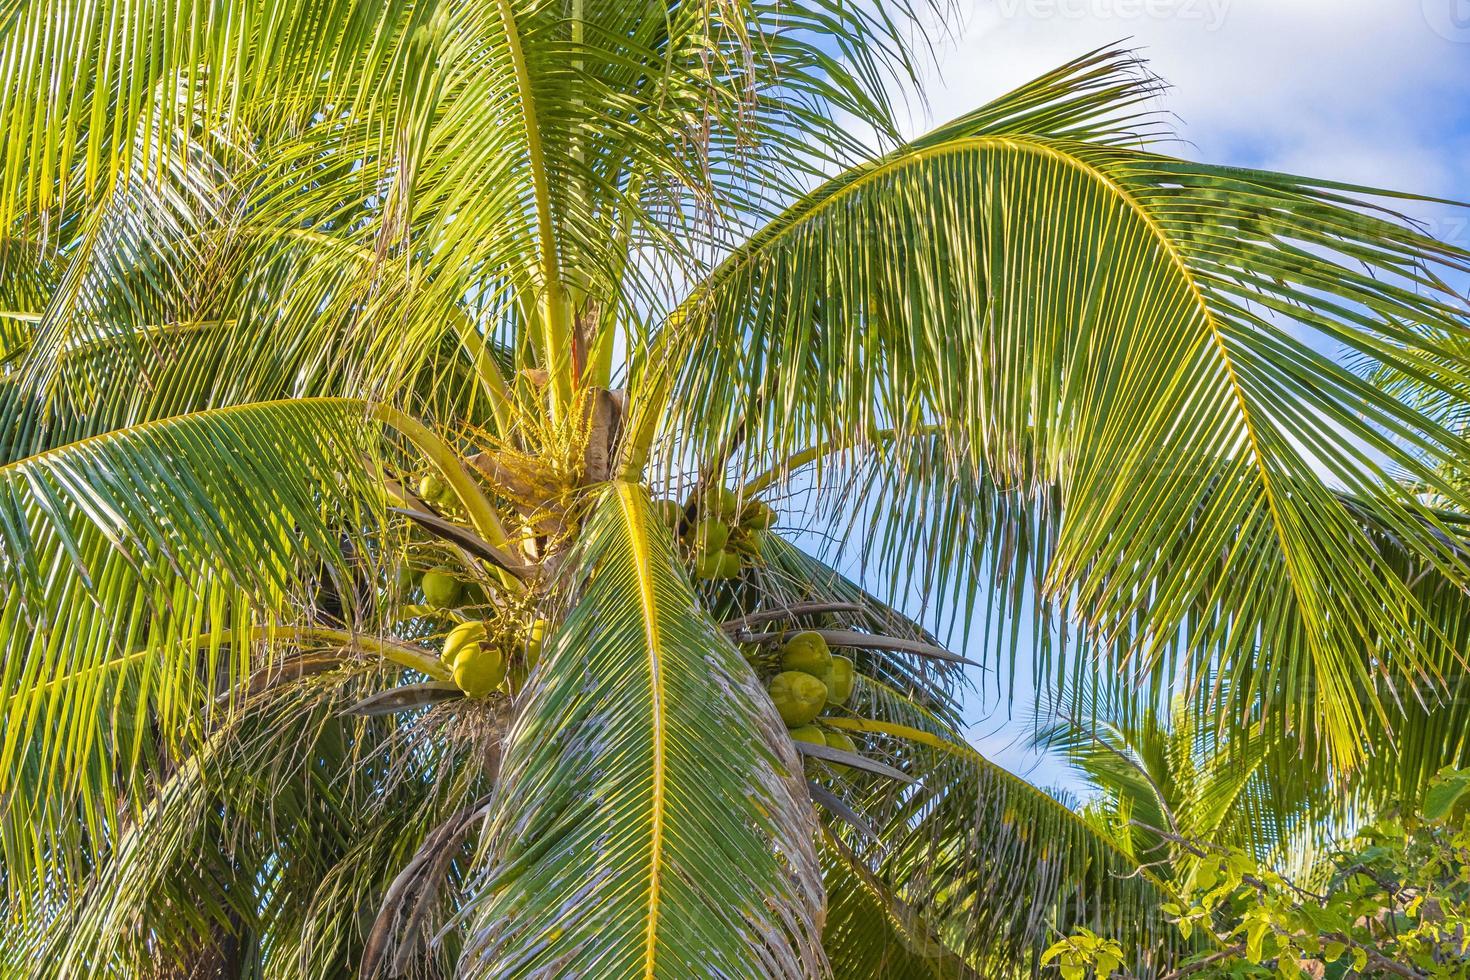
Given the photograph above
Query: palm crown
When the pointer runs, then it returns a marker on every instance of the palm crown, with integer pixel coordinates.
(349, 346)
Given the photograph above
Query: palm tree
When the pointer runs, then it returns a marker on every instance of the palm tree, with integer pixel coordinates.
(396, 399)
(1255, 849)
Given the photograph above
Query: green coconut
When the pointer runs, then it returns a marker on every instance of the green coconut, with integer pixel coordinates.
(721, 502)
(516, 675)
(709, 565)
(479, 669)
(757, 516)
(840, 679)
(839, 740)
(403, 580)
(729, 565)
(432, 487)
(807, 652)
(808, 733)
(745, 542)
(668, 511)
(535, 640)
(441, 588)
(799, 697)
(463, 635)
(708, 536)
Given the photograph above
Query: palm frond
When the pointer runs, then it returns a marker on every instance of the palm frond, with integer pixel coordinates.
(137, 567)
(1132, 333)
(995, 866)
(870, 933)
(284, 832)
(647, 817)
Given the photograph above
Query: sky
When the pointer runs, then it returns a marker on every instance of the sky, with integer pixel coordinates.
(1374, 92)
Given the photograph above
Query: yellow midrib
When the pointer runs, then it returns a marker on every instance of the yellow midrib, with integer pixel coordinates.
(638, 539)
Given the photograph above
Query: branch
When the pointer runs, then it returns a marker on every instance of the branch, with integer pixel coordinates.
(1206, 963)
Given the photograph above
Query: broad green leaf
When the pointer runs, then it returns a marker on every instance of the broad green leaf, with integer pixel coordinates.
(1445, 793)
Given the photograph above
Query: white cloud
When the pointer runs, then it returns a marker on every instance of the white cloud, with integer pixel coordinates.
(1358, 90)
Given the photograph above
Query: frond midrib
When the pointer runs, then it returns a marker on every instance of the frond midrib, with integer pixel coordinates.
(142, 428)
(638, 541)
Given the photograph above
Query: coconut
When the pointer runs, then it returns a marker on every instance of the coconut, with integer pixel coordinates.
(403, 579)
(757, 516)
(709, 565)
(840, 679)
(668, 511)
(721, 502)
(839, 740)
(432, 487)
(441, 588)
(807, 652)
(516, 676)
(709, 536)
(745, 542)
(808, 733)
(479, 669)
(463, 635)
(535, 639)
(729, 565)
(799, 697)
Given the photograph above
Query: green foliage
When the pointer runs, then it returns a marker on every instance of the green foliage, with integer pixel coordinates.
(1393, 901)
(607, 793)
(270, 266)
(1076, 953)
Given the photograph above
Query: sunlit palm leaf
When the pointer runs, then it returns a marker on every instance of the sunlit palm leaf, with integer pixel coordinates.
(486, 148)
(647, 820)
(319, 811)
(1116, 326)
(138, 567)
(870, 933)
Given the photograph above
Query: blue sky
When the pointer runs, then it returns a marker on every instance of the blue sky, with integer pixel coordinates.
(1375, 92)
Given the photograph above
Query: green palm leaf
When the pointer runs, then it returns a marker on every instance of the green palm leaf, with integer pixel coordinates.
(869, 933)
(996, 867)
(647, 821)
(138, 564)
(1022, 365)
(1113, 325)
(320, 809)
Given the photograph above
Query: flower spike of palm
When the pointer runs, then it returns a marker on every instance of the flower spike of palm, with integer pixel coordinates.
(413, 417)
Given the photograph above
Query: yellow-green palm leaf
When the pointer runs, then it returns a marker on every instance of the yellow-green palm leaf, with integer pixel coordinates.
(649, 820)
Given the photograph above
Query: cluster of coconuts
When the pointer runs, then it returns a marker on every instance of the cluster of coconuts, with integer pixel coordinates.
(810, 679)
(723, 536)
(483, 663)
